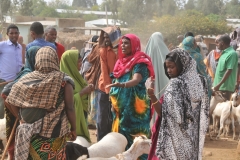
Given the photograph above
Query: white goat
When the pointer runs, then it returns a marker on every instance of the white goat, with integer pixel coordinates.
(110, 145)
(236, 108)
(227, 111)
(141, 145)
(224, 111)
(82, 141)
(213, 103)
(3, 131)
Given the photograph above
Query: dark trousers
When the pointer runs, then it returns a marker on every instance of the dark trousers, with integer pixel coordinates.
(104, 115)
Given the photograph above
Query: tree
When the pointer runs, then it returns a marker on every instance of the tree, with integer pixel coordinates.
(38, 6)
(5, 5)
(131, 12)
(84, 3)
(172, 26)
(60, 4)
(25, 7)
(233, 9)
(112, 6)
(190, 4)
(210, 6)
(48, 12)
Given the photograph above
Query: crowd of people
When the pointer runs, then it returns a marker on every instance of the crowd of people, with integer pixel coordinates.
(53, 95)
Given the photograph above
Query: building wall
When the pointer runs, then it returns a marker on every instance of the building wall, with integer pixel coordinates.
(24, 32)
(31, 18)
(70, 22)
(210, 42)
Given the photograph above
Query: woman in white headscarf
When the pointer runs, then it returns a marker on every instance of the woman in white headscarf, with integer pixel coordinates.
(157, 51)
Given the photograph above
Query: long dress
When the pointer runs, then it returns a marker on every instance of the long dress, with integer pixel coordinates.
(131, 105)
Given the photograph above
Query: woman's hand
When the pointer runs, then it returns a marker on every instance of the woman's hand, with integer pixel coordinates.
(73, 135)
(149, 84)
(87, 90)
(117, 84)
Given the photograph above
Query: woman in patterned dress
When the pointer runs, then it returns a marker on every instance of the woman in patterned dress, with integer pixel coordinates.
(43, 102)
(183, 109)
(128, 92)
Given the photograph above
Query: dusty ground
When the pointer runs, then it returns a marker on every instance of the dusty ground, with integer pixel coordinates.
(223, 149)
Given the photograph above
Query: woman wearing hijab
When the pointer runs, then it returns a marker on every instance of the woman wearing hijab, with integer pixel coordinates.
(157, 51)
(70, 64)
(10, 119)
(43, 102)
(190, 46)
(128, 92)
(183, 109)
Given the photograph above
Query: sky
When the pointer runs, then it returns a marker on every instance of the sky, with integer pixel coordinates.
(98, 1)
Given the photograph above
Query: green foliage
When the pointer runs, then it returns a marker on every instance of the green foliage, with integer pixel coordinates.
(191, 4)
(233, 9)
(95, 8)
(84, 3)
(38, 6)
(25, 7)
(215, 18)
(5, 5)
(48, 12)
(172, 26)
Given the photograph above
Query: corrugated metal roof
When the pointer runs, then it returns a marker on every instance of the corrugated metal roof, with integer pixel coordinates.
(84, 12)
(44, 23)
(103, 21)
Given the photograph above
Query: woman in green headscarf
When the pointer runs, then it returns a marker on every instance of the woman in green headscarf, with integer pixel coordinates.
(190, 45)
(70, 64)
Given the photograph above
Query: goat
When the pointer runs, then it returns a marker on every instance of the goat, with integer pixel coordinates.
(82, 141)
(224, 111)
(141, 145)
(3, 131)
(213, 103)
(236, 108)
(227, 110)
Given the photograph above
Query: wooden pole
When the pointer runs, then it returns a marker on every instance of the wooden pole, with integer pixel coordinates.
(106, 14)
(3, 83)
(9, 140)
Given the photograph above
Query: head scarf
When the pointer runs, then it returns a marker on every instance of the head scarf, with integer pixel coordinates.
(68, 65)
(114, 34)
(188, 45)
(88, 49)
(40, 88)
(185, 99)
(125, 64)
(92, 41)
(157, 51)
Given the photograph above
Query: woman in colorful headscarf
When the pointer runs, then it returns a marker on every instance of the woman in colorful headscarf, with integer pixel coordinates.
(43, 102)
(128, 92)
(184, 109)
(70, 64)
(190, 46)
(10, 119)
